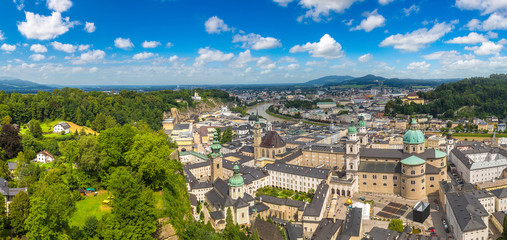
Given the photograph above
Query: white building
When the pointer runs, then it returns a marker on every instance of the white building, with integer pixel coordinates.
(61, 127)
(295, 177)
(477, 163)
(44, 157)
(468, 219)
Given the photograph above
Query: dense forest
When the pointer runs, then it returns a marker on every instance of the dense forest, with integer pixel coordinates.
(468, 98)
(83, 108)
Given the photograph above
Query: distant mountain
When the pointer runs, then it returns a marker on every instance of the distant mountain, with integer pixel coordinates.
(9, 84)
(328, 80)
(370, 80)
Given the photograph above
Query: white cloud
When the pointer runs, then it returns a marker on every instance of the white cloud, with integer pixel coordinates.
(143, 55)
(173, 58)
(256, 41)
(317, 63)
(472, 38)
(348, 22)
(486, 48)
(7, 47)
(322, 8)
(243, 59)
(90, 27)
(265, 63)
(20, 4)
(266, 71)
(419, 38)
(216, 25)
(373, 20)
(83, 47)
(68, 48)
(326, 48)
(485, 6)
(59, 5)
(418, 66)
(207, 55)
(287, 59)
(44, 27)
(2, 36)
(38, 48)
(90, 57)
(169, 45)
(385, 2)
(150, 44)
(283, 3)
(494, 22)
(37, 57)
(123, 43)
(94, 69)
(290, 67)
(412, 9)
(365, 58)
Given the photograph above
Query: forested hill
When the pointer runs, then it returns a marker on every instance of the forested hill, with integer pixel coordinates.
(370, 80)
(100, 110)
(468, 98)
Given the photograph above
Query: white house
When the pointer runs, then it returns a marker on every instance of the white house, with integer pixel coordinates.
(61, 127)
(477, 163)
(44, 157)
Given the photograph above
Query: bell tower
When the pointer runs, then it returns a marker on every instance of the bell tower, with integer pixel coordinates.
(352, 149)
(216, 159)
(257, 140)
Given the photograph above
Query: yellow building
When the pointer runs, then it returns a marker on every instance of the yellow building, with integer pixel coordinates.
(413, 98)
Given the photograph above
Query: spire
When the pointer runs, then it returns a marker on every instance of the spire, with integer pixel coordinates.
(215, 147)
(352, 128)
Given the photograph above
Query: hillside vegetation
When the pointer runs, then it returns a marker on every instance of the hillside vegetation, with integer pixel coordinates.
(468, 98)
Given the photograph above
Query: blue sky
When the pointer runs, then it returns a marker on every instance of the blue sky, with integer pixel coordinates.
(78, 42)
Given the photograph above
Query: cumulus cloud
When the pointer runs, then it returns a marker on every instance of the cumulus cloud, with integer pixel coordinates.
(7, 47)
(486, 48)
(283, 3)
(373, 20)
(326, 48)
(265, 63)
(169, 45)
(485, 6)
(385, 2)
(143, 55)
(216, 25)
(243, 59)
(37, 57)
(412, 9)
(44, 27)
(419, 38)
(316, 9)
(173, 58)
(150, 44)
(123, 43)
(419, 66)
(20, 4)
(287, 59)
(471, 38)
(90, 27)
(495, 21)
(38, 48)
(2, 36)
(90, 57)
(365, 58)
(207, 55)
(256, 41)
(83, 47)
(68, 48)
(59, 5)
(94, 69)
(290, 67)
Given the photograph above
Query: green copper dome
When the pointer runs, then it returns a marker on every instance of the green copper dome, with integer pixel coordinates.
(414, 135)
(413, 161)
(361, 123)
(215, 147)
(352, 128)
(236, 180)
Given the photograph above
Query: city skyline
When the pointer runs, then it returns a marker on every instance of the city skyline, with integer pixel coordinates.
(163, 42)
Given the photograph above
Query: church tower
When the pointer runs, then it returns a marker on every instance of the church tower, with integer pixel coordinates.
(216, 159)
(257, 140)
(363, 137)
(352, 150)
(413, 140)
(236, 184)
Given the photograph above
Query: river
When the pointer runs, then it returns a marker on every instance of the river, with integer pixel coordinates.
(262, 112)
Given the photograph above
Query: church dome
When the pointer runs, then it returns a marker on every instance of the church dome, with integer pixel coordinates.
(236, 180)
(361, 123)
(352, 128)
(413, 135)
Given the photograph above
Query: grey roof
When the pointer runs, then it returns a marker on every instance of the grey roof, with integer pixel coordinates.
(197, 165)
(182, 126)
(430, 169)
(327, 229)
(248, 149)
(272, 140)
(64, 125)
(380, 167)
(259, 207)
(467, 210)
(242, 158)
(294, 231)
(217, 215)
(280, 201)
(315, 207)
(12, 166)
(381, 153)
(298, 170)
(421, 206)
(6, 191)
(353, 221)
(499, 216)
(266, 230)
(193, 199)
(377, 233)
(500, 193)
(324, 148)
(292, 156)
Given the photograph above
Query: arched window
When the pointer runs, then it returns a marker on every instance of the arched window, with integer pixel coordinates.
(413, 149)
(385, 184)
(412, 172)
(413, 190)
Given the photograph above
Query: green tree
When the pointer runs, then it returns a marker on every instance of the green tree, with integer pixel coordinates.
(90, 226)
(231, 230)
(255, 235)
(10, 141)
(19, 209)
(6, 120)
(79, 116)
(396, 224)
(3, 212)
(504, 233)
(52, 147)
(227, 136)
(35, 128)
(219, 133)
(133, 213)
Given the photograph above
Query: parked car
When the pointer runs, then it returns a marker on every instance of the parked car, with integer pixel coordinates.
(444, 223)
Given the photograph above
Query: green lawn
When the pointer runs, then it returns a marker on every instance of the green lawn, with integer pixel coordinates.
(281, 193)
(90, 206)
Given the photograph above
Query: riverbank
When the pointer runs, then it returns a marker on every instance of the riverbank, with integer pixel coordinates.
(295, 119)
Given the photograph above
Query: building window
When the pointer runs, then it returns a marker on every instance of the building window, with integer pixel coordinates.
(384, 177)
(442, 164)
(422, 180)
(412, 172)
(432, 185)
(412, 182)
(432, 178)
(364, 183)
(395, 185)
(374, 184)
(413, 190)
(422, 170)
(403, 180)
(395, 177)
(403, 188)
(218, 165)
(385, 184)
(374, 176)
(442, 173)
(364, 176)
